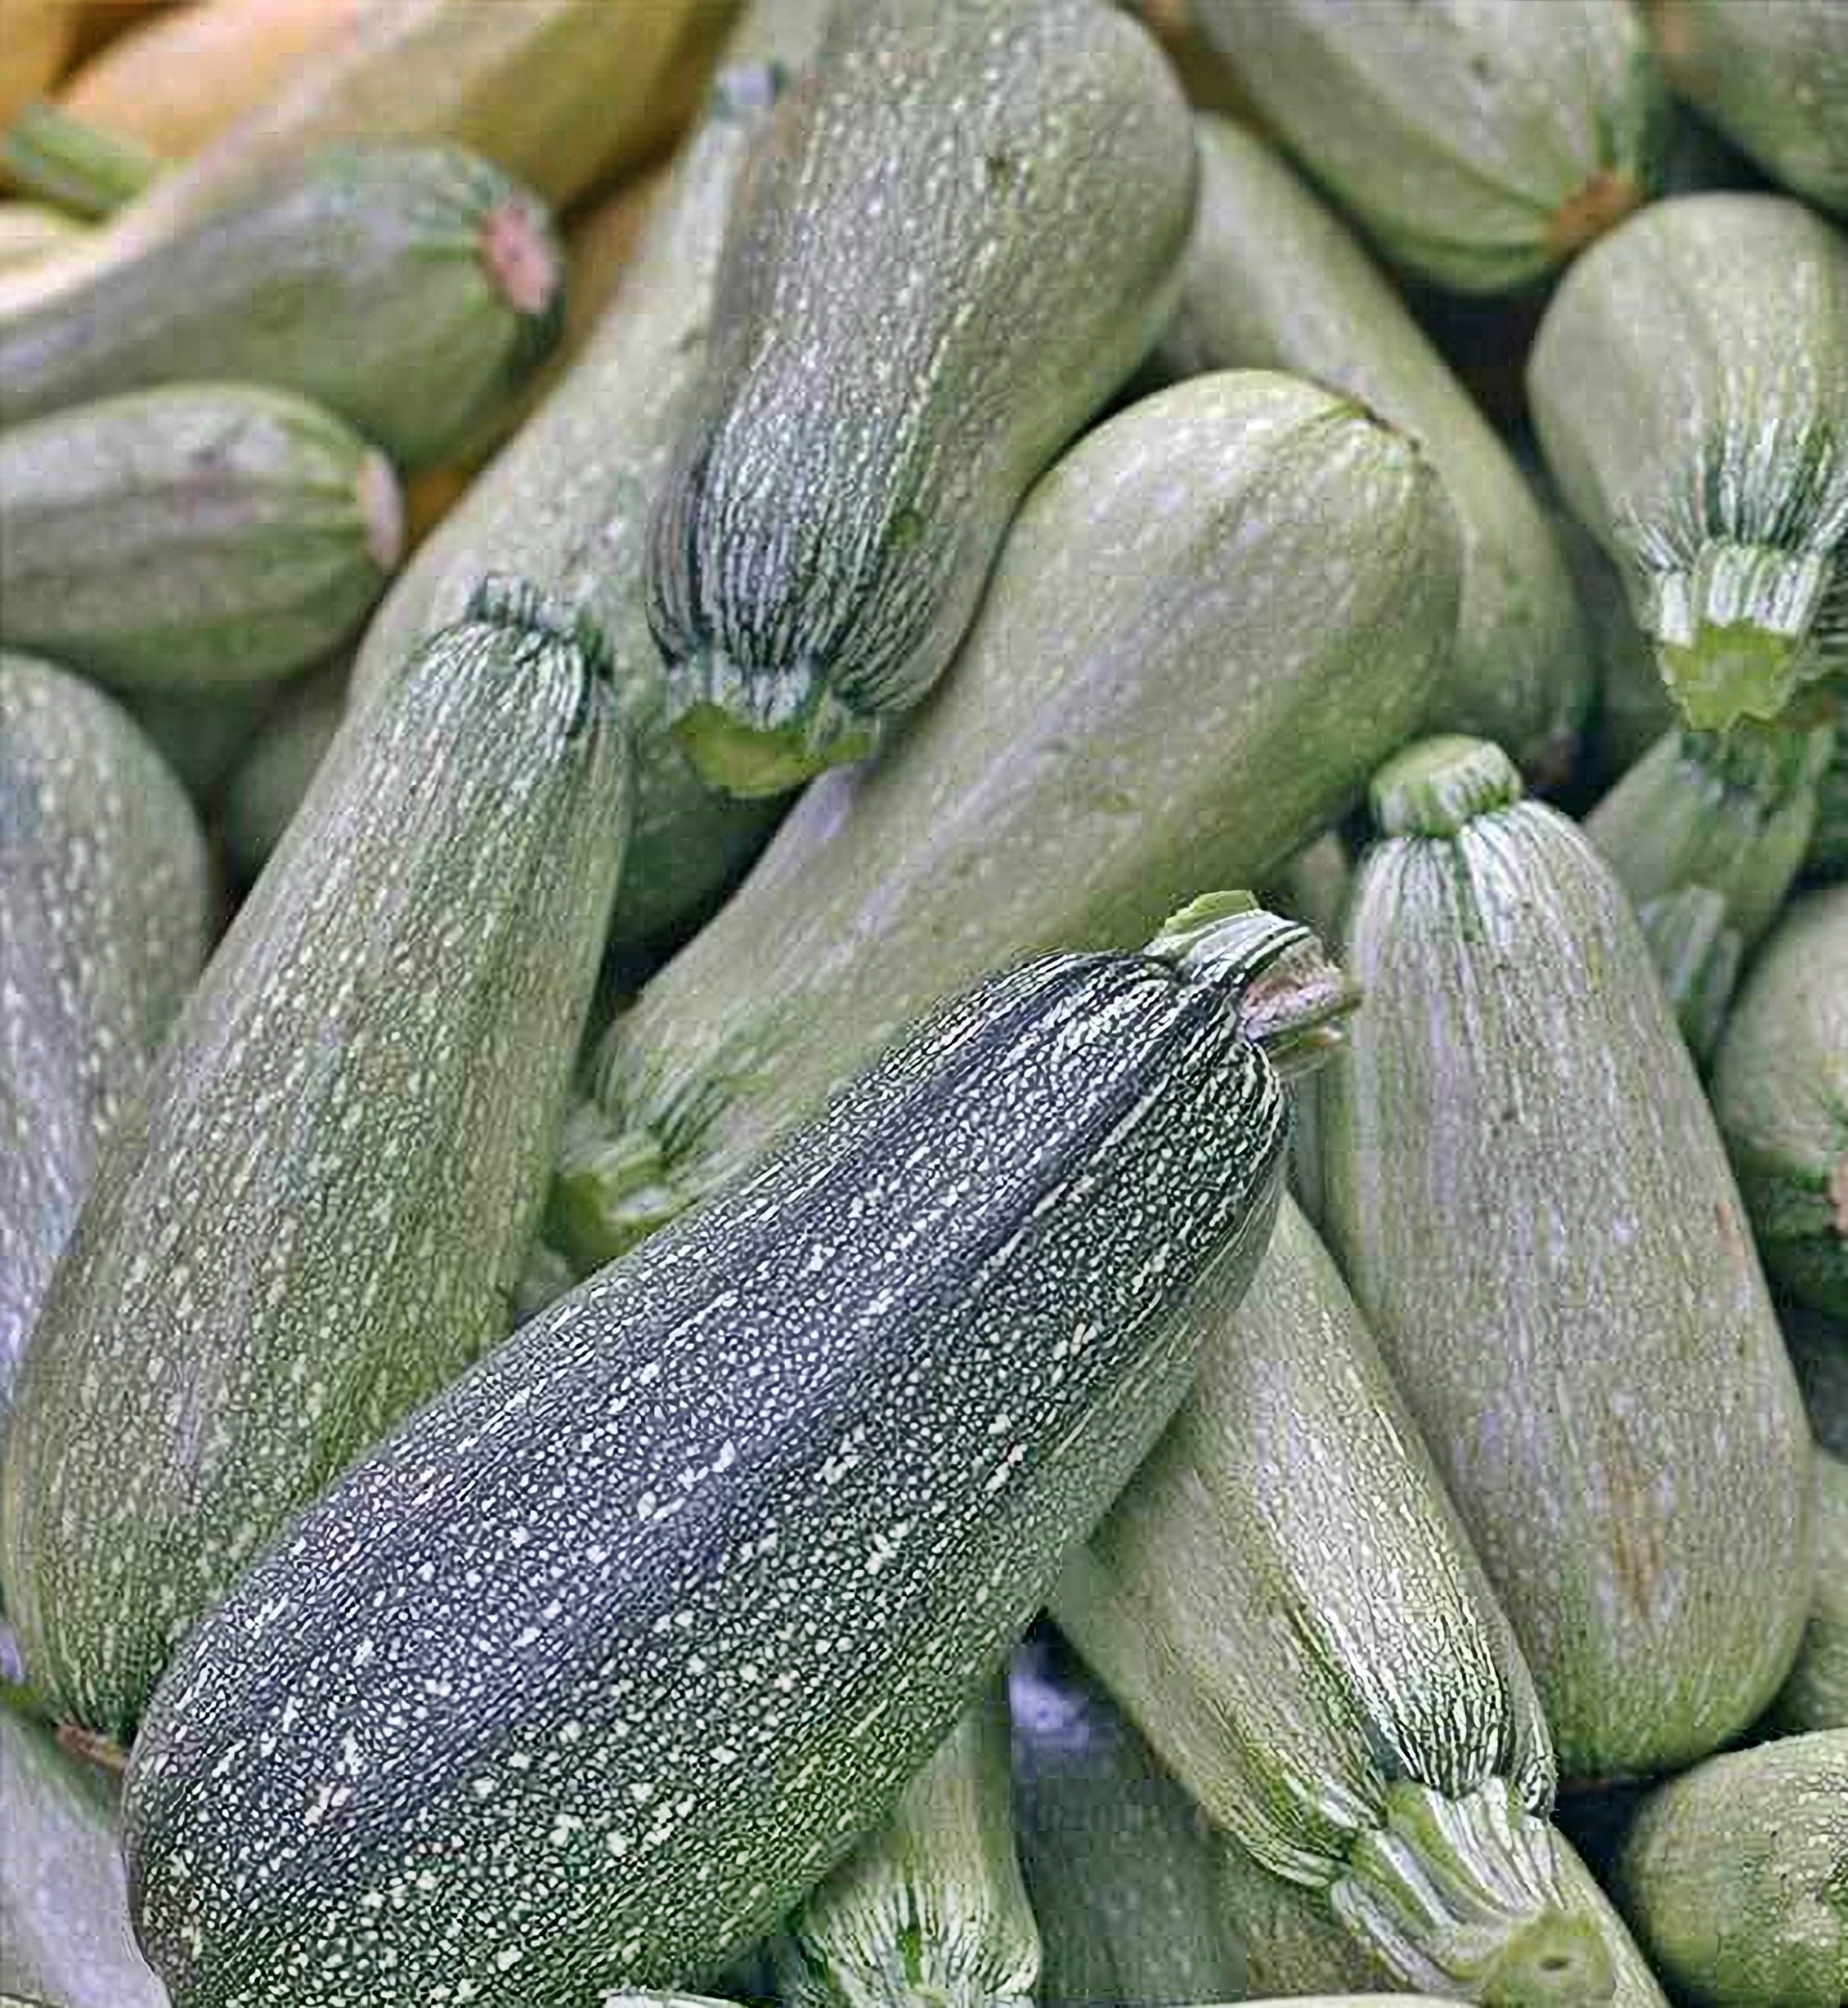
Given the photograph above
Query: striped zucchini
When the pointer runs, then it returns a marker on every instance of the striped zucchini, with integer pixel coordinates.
(1273, 281)
(198, 538)
(317, 1211)
(566, 504)
(1780, 1089)
(963, 230)
(1736, 1876)
(1773, 75)
(1689, 383)
(87, 171)
(1815, 1697)
(1286, 1604)
(719, 1547)
(1243, 552)
(1519, 1162)
(1119, 1863)
(103, 903)
(1697, 954)
(929, 1912)
(409, 290)
(1481, 143)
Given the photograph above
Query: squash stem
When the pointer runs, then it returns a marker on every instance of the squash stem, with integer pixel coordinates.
(64, 161)
(1733, 630)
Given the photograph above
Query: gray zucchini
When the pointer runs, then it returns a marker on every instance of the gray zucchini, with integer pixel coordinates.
(962, 231)
(1518, 1162)
(1244, 553)
(1815, 1697)
(317, 1210)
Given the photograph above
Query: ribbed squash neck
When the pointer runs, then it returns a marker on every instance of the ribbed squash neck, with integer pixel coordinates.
(1437, 786)
(1731, 631)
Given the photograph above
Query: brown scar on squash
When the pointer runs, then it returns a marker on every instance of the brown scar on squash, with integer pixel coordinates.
(1601, 204)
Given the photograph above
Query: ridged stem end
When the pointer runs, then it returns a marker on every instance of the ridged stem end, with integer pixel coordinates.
(1731, 631)
(609, 1193)
(1436, 787)
(754, 733)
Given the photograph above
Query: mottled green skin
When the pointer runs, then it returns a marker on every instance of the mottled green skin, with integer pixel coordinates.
(962, 231)
(1274, 280)
(588, 1673)
(1209, 620)
(1527, 1190)
(201, 537)
(1735, 1876)
(363, 281)
(316, 1211)
(1780, 1090)
(1816, 1695)
(1689, 385)
(103, 912)
(1478, 142)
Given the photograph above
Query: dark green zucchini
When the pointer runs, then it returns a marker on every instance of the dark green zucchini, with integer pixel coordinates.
(409, 290)
(963, 230)
(103, 912)
(1815, 1697)
(600, 1662)
(317, 1209)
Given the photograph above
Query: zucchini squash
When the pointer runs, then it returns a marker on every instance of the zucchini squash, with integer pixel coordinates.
(202, 735)
(30, 231)
(199, 538)
(103, 908)
(1736, 1876)
(1780, 1089)
(1818, 1351)
(266, 787)
(1481, 143)
(963, 229)
(1519, 1162)
(1273, 281)
(1689, 383)
(720, 1546)
(1827, 860)
(409, 290)
(316, 1211)
(1286, 1604)
(1698, 955)
(89, 174)
(1243, 552)
(1815, 1697)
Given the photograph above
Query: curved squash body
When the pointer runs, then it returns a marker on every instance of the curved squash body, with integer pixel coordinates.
(1816, 1695)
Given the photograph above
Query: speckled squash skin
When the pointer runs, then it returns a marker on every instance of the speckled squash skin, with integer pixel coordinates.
(104, 900)
(1244, 553)
(409, 290)
(200, 537)
(1689, 385)
(1480, 142)
(962, 230)
(1521, 1172)
(314, 1213)
(1274, 280)
(1815, 1697)
(589, 1672)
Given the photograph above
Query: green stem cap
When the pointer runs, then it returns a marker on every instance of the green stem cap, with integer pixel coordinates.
(1437, 786)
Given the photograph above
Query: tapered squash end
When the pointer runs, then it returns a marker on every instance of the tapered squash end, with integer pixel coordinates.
(609, 1193)
(755, 733)
(1732, 633)
(1439, 785)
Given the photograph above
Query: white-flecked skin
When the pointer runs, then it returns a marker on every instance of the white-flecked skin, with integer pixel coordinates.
(565, 504)
(608, 1656)
(315, 1212)
(929, 1910)
(1274, 280)
(363, 281)
(1479, 142)
(64, 1899)
(1119, 1863)
(1780, 1090)
(197, 537)
(950, 247)
(1527, 1193)
(1207, 621)
(1773, 77)
(1689, 385)
(1815, 1697)
(1736, 1876)
(104, 902)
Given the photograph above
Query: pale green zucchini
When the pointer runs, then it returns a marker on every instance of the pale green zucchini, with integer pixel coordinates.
(266, 787)
(1242, 551)
(1634, 708)
(700, 1567)
(1119, 1863)
(1780, 1090)
(1815, 1697)
(1273, 281)
(963, 230)
(1689, 383)
(1736, 1876)
(1519, 1163)
(1773, 75)
(929, 1912)
(316, 1211)
(1481, 143)
(103, 912)
(1698, 955)
(566, 504)
(197, 538)
(1286, 1604)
